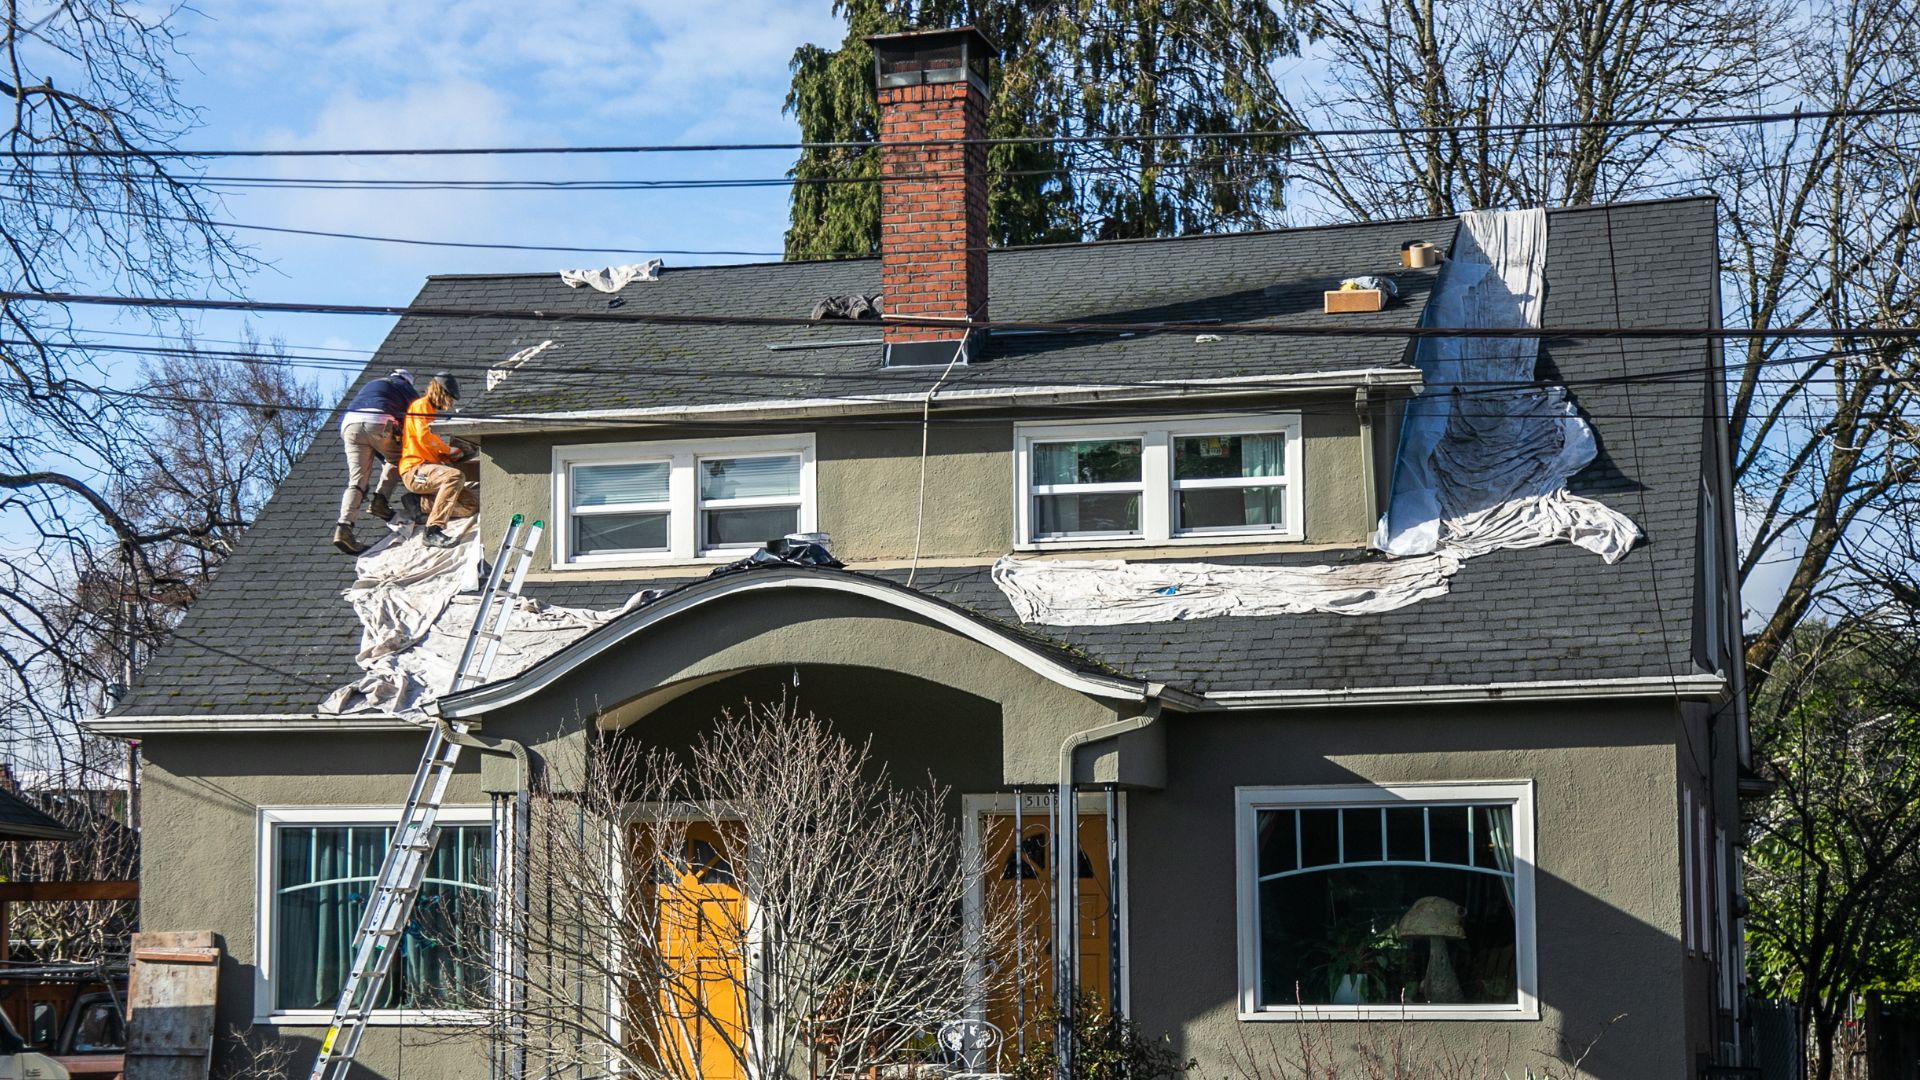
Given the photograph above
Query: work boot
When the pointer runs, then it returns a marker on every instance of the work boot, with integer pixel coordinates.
(436, 537)
(378, 507)
(414, 505)
(343, 539)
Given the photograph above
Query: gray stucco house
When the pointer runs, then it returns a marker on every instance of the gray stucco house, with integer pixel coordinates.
(1552, 746)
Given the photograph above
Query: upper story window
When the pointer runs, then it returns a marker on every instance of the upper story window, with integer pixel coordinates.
(635, 503)
(1189, 480)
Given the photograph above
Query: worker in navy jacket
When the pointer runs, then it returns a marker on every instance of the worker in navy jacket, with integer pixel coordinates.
(370, 429)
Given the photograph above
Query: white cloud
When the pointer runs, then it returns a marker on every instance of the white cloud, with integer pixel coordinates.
(575, 65)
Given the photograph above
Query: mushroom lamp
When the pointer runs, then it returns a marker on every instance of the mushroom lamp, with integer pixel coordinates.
(1437, 919)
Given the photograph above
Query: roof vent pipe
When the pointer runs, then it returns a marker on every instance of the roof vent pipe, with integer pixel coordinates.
(932, 87)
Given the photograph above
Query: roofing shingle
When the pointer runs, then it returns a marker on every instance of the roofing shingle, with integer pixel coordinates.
(272, 635)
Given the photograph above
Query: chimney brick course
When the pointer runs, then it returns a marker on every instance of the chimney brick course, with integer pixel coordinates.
(933, 207)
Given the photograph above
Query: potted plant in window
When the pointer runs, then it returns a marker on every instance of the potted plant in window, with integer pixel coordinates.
(1357, 959)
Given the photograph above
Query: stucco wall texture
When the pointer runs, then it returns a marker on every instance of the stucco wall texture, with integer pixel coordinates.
(1607, 914)
(1607, 917)
(867, 480)
(201, 797)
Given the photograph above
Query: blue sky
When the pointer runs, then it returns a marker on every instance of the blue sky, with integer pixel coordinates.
(357, 73)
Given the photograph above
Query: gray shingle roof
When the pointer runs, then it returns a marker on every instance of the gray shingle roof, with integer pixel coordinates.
(272, 634)
(1273, 277)
(21, 820)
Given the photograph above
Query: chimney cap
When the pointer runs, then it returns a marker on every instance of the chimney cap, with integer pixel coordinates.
(913, 57)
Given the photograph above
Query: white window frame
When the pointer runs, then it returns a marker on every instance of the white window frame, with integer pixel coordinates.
(266, 885)
(683, 495)
(1249, 801)
(1158, 490)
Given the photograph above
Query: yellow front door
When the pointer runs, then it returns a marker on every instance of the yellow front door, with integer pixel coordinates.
(1020, 881)
(690, 1010)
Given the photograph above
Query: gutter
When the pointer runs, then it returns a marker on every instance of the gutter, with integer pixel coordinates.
(1695, 687)
(1400, 376)
(510, 904)
(141, 726)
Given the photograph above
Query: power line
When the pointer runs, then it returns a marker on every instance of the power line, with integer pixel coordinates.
(411, 241)
(1063, 168)
(1046, 326)
(907, 377)
(1647, 123)
(1475, 389)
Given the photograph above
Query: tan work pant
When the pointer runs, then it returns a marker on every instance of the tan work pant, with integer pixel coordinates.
(365, 444)
(444, 490)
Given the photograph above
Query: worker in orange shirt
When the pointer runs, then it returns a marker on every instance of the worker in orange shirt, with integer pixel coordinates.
(427, 461)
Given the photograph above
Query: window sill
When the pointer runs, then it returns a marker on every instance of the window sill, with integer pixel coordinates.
(1336, 1013)
(1198, 540)
(630, 562)
(379, 1018)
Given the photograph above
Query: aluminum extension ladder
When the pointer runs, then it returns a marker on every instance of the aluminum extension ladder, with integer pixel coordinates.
(405, 866)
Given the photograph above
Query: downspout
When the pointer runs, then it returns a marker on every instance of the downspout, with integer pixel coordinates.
(509, 957)
(1066, 877)
(1370, 483)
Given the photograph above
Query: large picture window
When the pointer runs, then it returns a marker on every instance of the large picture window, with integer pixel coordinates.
(1162, 481)
(624, 504)
(318, 877)
(1367, 901)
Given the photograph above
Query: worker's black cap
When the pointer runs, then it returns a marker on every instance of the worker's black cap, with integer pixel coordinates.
(449, 381)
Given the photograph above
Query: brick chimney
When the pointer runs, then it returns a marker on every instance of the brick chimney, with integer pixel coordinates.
(933, 195)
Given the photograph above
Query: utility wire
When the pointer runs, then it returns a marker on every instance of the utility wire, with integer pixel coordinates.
(1063, 169)
(1647, 123)
(411, 241)
(908, 378)
(1053, 326)
(568, 186)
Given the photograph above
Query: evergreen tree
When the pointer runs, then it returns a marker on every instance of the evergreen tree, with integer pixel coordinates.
(1116, 70)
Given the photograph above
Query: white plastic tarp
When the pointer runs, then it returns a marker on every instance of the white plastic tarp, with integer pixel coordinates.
(611, 279)
(1480, 467)
(1479, 470)
(417, 603)
(1109, 592)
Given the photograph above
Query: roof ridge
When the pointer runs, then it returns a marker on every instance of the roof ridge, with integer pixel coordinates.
(1284, 230)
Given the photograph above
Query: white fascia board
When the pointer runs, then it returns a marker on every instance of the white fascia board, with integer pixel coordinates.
(480, 700)
(1408, 378)
(1692, 687)
(136, 727)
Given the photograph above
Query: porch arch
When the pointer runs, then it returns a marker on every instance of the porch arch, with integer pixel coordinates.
(778, 619)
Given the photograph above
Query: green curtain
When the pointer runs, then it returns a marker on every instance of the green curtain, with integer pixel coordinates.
(326, 875)
(1263, 455)
(1500, 836)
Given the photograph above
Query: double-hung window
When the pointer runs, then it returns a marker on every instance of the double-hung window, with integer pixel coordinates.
(747, 499)
(1365, 901)
(317, 870)
(635, 503)
(1087, 488)
(620, 506)
(1186, 480)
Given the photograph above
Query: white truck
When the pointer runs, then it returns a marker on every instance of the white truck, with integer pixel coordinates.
(19, 1063)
